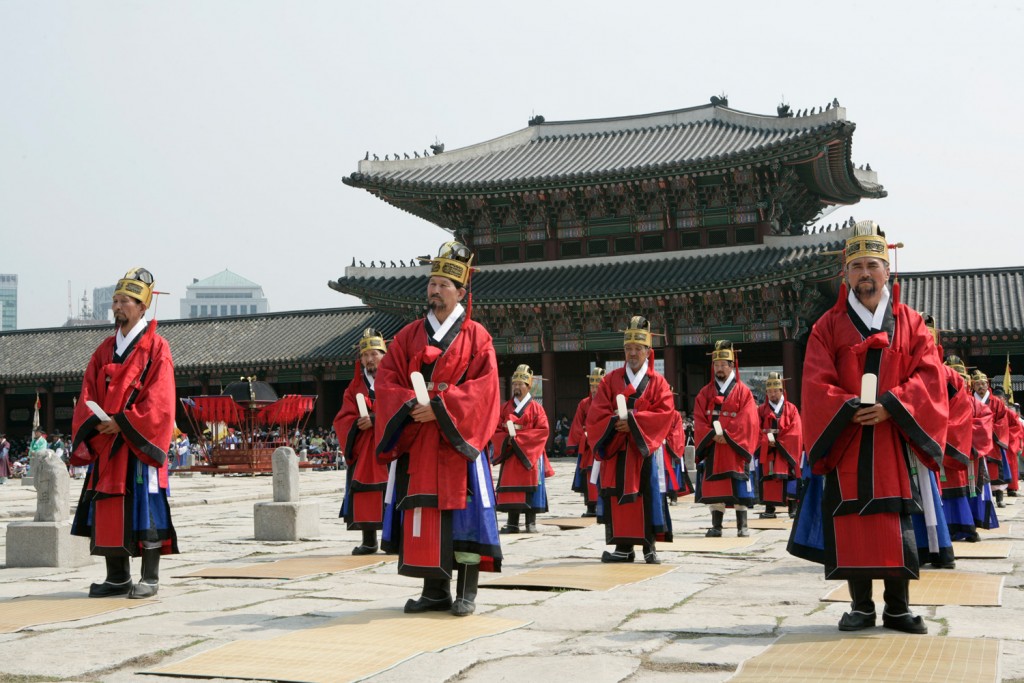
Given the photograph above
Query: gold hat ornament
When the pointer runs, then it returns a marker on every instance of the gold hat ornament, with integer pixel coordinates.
(957, 365)
(867, 240)
(372, 339)
(523, 374)
(774, 381)
(138, 284)
(454, 261)
(723, 351)
(596, 376)
(638, 332)
(979, 376)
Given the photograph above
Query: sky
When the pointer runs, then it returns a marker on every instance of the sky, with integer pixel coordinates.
(193, 136)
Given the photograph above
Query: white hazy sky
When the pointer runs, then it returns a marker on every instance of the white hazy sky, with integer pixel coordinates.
(189, 137)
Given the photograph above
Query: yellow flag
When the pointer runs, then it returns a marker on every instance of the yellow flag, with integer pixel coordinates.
(1007, 382)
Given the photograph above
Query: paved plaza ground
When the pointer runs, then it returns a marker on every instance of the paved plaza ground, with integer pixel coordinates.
(696, 623)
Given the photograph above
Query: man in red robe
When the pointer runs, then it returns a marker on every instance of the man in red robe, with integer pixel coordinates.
(958, 480)
(997, 460)
(626, 436)
(868, 444)
(123, 437)
(443, 491)
(782, 444)
(366, 476)
(1017, 427)
(677, 479)
(578, 443)
(519, 450)
(726, 432)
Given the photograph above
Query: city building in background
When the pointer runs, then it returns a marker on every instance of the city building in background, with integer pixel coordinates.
(8, 302)
(221, 295)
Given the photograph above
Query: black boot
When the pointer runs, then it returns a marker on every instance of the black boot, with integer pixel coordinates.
(436, 597)
(465, 590)
(716, 524)
(769, 511)
(369, 545)
(862, 607)
(999, 499)
(513, 524)
(531, 522)
(791, 504)
(897, 614)
(591, 510)
(651, 554)
(118, 581)
(623, 553)
(147, 587)
(741, 524)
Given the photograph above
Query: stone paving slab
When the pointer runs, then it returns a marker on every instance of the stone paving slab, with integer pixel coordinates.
(694, 624)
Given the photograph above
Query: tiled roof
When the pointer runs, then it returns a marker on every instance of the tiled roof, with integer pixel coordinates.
(603, 278)
(202, 344)
(685, 140)
(982, 301)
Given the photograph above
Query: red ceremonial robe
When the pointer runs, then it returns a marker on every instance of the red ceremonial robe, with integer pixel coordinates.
(625, 457)
(729, 462)
(585, 455)
(869, 494)
(780, 461)
(675, 449)
(1000, 437)
(138, 394)
(367, 477)
(1013, 452)
(433, 457)
(956, 461)
(981, 441)
(521, 458)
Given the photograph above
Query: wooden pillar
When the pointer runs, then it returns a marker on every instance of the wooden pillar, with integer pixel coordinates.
(321, 403)
(548, 368)
(792, 369)
(670, 354)
(48, 408)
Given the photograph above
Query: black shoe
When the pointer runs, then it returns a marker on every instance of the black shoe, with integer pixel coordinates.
(951, 564)
(422, 604)
(465, 590)
(110, 590)
(1011, 494)
(618, 556)
(906, 622)
(652, 558)
(509, 529)
(856, 621)
(767, 515)
(713, 533)
(143, 590)
(364, 550)
(531, 528)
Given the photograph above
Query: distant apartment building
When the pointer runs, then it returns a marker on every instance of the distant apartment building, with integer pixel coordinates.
(8, 302)
(223, 294)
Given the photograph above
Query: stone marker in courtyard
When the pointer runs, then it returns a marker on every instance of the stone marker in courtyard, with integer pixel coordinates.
(287, 518)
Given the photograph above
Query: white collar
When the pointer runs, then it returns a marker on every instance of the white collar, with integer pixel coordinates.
(983, 399)
(722, 386)
(638, 377)
(518, 405)
(441, 329)
(121, 342)
(872, 320)
(368, 379)
(777, 406)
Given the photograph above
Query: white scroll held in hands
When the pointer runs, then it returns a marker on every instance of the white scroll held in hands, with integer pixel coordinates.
(361, 404)
(620, 403)
(511, 426)
(771, 438)
(868, 389)
(97, 411)
(419, 385)
(718, 428)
